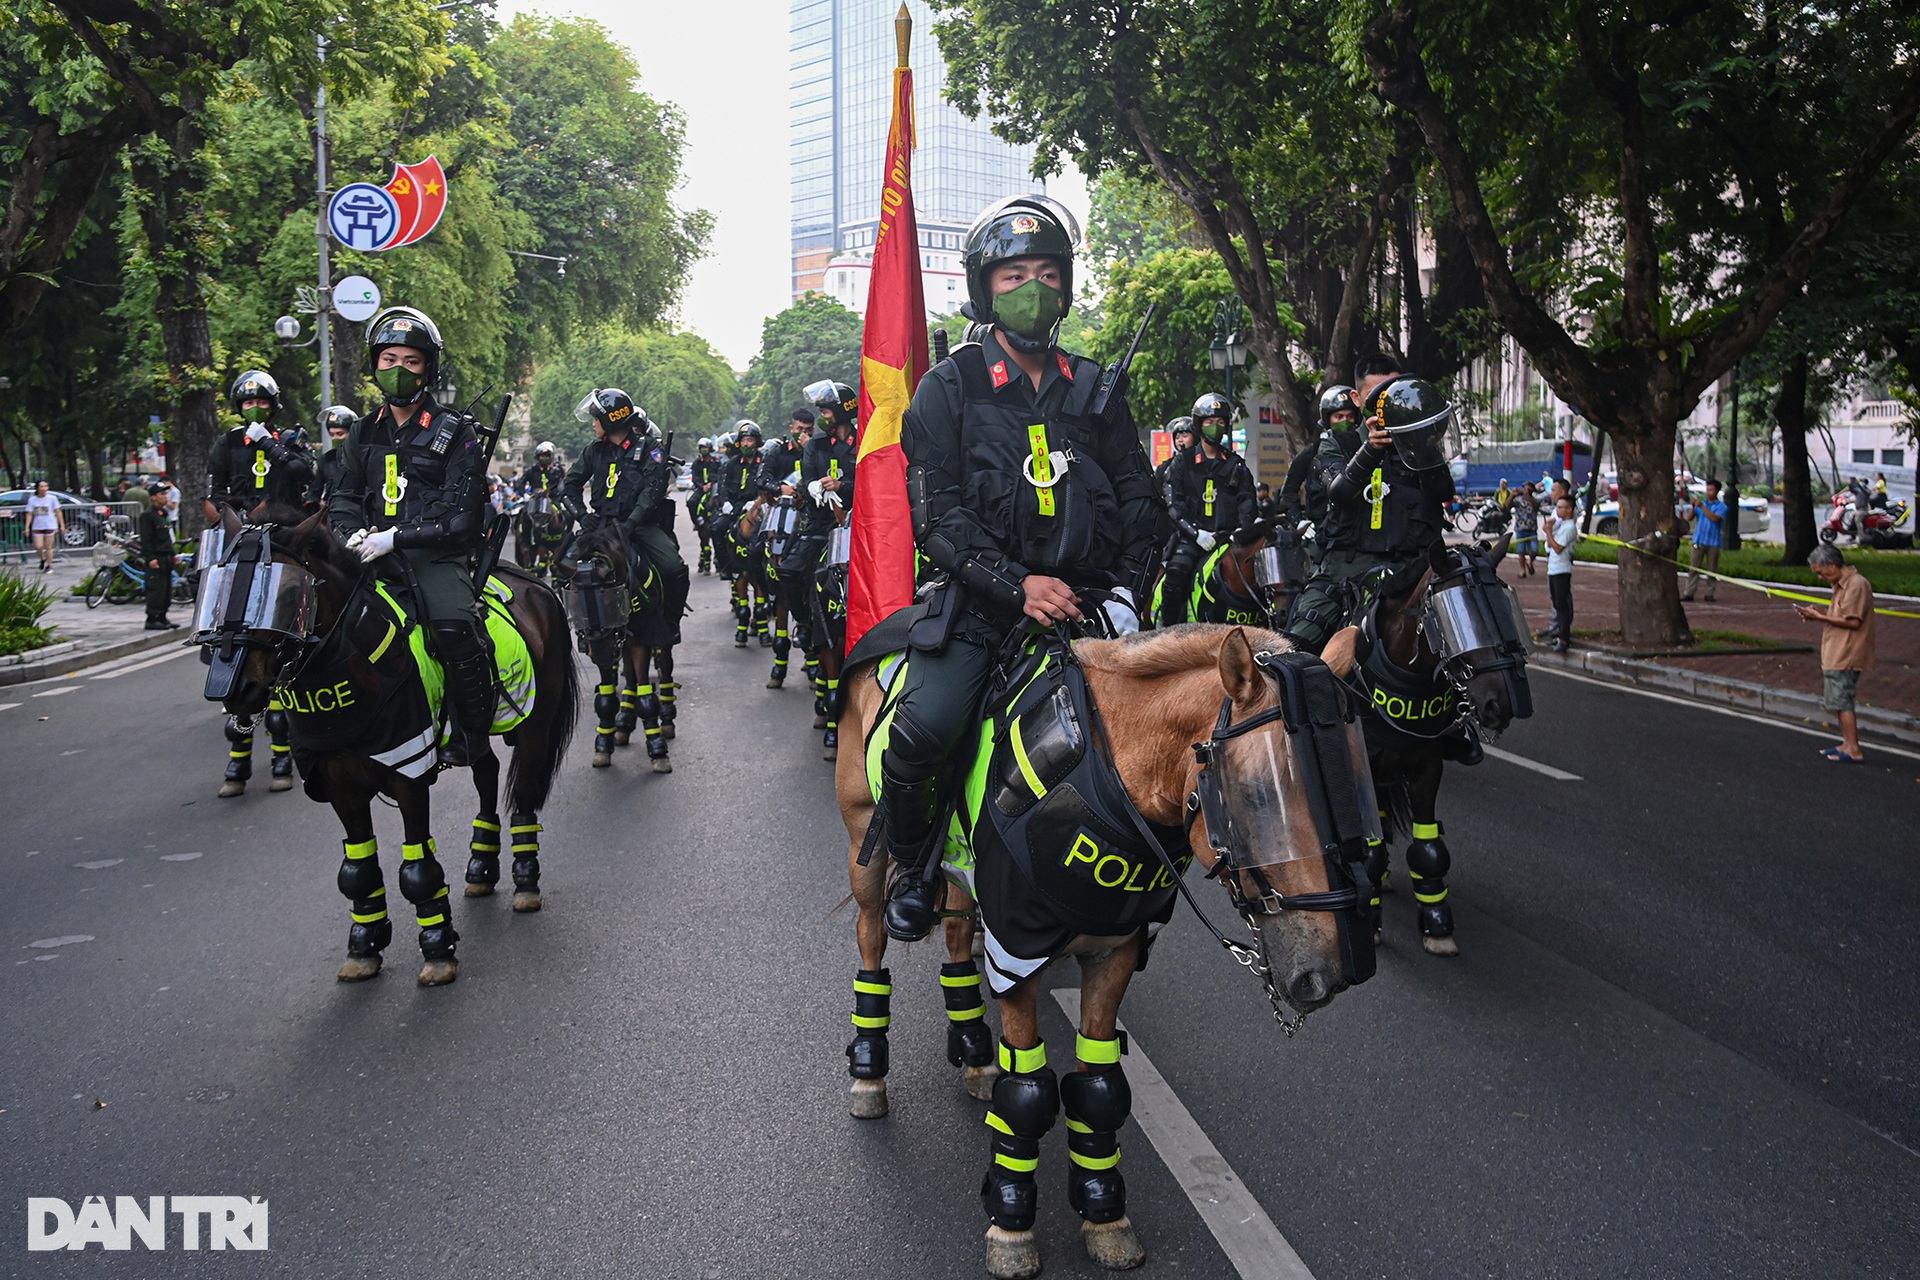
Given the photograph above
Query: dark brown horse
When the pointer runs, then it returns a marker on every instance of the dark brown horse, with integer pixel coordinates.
(291, 608)
(625, 633)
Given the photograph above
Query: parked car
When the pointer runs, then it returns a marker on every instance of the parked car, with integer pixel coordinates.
(1755, 516)
(86, 519)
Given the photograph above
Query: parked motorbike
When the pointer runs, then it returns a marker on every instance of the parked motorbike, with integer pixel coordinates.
(1854, 516)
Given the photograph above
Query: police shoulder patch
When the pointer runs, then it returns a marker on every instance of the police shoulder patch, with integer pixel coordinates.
(658, 454)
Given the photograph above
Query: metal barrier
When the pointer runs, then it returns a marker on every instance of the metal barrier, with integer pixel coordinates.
(87, 523)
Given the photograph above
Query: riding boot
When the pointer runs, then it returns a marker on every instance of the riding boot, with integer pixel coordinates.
(239, 757)
(913, 903)
(469, 693)
(1462, 746)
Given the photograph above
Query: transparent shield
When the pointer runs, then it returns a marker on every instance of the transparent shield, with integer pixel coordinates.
(1267, 570)
(210, 605)
(1520, 627)
(1270, 818)
(840, 546)
(1455, 626)
(281, 600)
(1369, 800)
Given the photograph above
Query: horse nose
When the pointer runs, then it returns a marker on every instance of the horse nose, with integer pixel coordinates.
(1309, 987)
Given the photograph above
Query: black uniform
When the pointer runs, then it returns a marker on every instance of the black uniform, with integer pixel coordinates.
(703, 472)
(823, 457)
(156, 544)
(625, 483)
(327, 469)
(547, 528)
(1202, 495)
(243, 473)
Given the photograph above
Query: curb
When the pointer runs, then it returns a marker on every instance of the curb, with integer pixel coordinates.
(1744, 695)
(58, 659)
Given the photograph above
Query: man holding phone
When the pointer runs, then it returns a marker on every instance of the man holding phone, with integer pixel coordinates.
(1708, 513)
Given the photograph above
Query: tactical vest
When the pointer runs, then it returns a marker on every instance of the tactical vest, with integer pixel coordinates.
(407, 471)
(1208, 489)
(253, 477)
(615, 477)
(1036, 485)
(1389, 515)
(826, 457)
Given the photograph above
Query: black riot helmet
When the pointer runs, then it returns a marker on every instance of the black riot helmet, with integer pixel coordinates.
(1182, 425)
(1017, 227)
(405, 327)
(1415, 413)
(614, 409)
(1335, 398)
(1212, 415)
(254, 384)
(836, 401)
(337, 417)
(744, 429)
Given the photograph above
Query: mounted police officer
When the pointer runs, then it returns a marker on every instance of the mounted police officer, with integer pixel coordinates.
(263, 459)
(1180, 431)
(541, 489)
(337, 421)
(1020, 498)
(412, 488)
(1208, 494)
(622, 479)
(739, 489)
(703, 473)
(1303, 496)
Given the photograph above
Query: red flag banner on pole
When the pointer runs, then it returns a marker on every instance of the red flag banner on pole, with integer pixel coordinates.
(893, 355)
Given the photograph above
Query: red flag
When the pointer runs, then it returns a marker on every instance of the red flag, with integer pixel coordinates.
(420, 189)
(893, 355)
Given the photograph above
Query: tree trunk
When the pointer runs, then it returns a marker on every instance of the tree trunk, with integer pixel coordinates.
(1650, 612)
(1790, 411)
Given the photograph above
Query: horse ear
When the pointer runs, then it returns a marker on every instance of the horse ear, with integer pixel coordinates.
(1437, 555)
(1238, 674)
(229, 522)
(1500, 548)
(1339, 653)
(304, 531)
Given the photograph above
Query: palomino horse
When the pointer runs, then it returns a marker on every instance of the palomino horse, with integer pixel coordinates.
(290, 608)
(1441, 642)
(625, 633)
(1213, 728)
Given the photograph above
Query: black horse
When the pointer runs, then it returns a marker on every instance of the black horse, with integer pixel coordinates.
(289, 608)
(621, 619)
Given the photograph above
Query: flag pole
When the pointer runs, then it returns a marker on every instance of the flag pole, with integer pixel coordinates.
(902, 33)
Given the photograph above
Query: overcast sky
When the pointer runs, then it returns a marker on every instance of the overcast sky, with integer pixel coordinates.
(724, 63)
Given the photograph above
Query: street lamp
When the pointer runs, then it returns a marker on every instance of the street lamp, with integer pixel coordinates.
(286, 328)
(1228, 350)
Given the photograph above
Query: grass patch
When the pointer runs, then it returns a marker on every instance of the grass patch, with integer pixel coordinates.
(1890, 572)
(1707, 644)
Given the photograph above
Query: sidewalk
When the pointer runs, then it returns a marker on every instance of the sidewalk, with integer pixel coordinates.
(1785, 685)
(85, 637)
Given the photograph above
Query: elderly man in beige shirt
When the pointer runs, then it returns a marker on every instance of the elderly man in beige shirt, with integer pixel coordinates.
(1846, 644)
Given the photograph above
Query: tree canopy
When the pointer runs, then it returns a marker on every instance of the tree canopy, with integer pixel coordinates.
(685, 387)
(815, 338)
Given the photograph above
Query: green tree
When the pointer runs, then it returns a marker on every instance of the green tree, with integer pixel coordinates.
(815, 338)
(1131, 219)
(680, 381)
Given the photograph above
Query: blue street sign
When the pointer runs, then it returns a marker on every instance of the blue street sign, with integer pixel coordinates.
(363, 216)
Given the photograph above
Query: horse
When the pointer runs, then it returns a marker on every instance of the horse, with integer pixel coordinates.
(1251, 584)
(290, 609)
(739, 536)
(1188, 723)
(779, 526)
(1440, 642)
(538, 531)
(625, 633)
(828, 635)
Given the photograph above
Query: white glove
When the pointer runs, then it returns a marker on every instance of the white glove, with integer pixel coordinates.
(356, 538)
(816, 488)
(375, 545)
(256, 433)
(1122, 616)
(726, 508)
(1207, 540)
(834, 500)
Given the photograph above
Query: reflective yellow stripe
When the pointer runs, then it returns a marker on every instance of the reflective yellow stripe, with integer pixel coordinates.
(1208, 498)
(390, 491)
(381, 648)
(523, 830)
(872, 988)
(1426, 831)
(241, 755)
(1097, 1053)
(1430, 897)
(1026, 766)
(1042, 466)
(1022, 1061)
(477, 847)
(613, 477)
(869, 1024)
(1078, 1126)
(427, 922)
(1377, 493)
(995, 1122)
(413, 852)
(363, 849)
(484, 825)
(1015, 1163)
(833, 467)
(368, 917)
(1093, 1162)
(967, 1015)
(960, 980)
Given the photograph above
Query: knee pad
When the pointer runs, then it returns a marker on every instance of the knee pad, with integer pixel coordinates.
(279, 724)
(456, 641)
(1427, 855)
(421, 879)
(1027, 1098)
(1098, 1098)
(915, 750)
(360, 871)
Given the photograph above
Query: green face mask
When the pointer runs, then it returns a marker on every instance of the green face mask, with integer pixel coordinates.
(256, 414)
(1031, 310)
(399, 382)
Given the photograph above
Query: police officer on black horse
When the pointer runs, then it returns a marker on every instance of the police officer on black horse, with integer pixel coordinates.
(623, 477)
(261, 460)
(826, 480)
(1303, 495)
(337, 422)
(1209, 495)
(1020, 499)
(703, 473)
(412, 500)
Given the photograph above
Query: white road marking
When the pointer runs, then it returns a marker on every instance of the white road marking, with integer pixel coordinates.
(54, 693)
(8, 706)
(100, 865)
(142, 666)
(1244, 1231)
(178, 857)
(1558, 775)
(1623, 687)
(65, 939)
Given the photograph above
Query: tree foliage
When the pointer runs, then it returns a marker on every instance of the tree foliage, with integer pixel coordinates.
(680, 381)
(815, 338)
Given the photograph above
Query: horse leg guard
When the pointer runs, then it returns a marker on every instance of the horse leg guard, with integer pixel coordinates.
(819, 701)
(362, 884)
(669, 698)
(867, 1054)
(1025, 1101)
(606, 707)
(1096, 1101)
(969, 1039)
(424, 884)
(483, 856)
(525, 830)
(656, 741)
(782, 647)
(279, 725)
(628, 715)
(239, 757)
(1378, 858)
(1427, 864)
(760, 614)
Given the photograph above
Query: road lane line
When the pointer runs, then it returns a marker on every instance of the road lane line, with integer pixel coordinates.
(141, 666)
(8, 706)
(1558, 775)
(1244, 1231)
(1623, 687)
(54, 693)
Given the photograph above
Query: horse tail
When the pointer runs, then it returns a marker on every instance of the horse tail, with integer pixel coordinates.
(539, 750)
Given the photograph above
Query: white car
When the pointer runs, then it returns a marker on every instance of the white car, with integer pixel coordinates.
(1755, 518)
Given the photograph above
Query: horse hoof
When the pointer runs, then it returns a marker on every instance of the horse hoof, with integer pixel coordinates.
(1012, 1255)
(280, 784)
(1440, 946)
(831, 753)
(1114, 1245)
(820, 720)
(525, 900)
(232, 787)
(360, 968)
(775, 684)
(479, 891)
(739, 644)
(623, 737)
(602, 759)
(663, 765)
(438, 973)
(979, 1081)
(1379, 936)
(868, 1100)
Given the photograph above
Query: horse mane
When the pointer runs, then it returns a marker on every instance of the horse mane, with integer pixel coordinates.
(1149, 655)
(323, 546)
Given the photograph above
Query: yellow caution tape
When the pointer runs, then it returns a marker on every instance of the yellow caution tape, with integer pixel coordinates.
(1745, 583)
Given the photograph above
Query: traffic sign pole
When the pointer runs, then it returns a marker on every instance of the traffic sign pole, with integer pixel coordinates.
(325, 318)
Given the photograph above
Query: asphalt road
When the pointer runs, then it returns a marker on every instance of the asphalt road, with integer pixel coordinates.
(1680, 1041)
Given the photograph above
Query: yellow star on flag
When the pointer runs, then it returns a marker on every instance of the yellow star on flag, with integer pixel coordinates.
(887, 387)
(433, 188)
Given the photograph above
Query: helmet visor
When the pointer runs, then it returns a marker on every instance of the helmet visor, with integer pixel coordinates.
(1424, 445)
(589, 404)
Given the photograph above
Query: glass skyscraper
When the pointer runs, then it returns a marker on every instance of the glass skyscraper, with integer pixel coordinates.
(843, 54)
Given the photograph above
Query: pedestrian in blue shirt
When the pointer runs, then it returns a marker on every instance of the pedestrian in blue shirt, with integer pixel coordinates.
(1708, 515)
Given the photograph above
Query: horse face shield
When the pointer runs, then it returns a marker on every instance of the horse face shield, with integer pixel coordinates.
(1476, 626)
(248, 601)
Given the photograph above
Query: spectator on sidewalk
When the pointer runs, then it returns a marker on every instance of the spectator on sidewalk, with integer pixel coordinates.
(156, 553)
(1562, 532)
(46, 522)
(1708, 514)
(172, 491)
(1846, 643)
(1526, 527)
(1503, 496)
